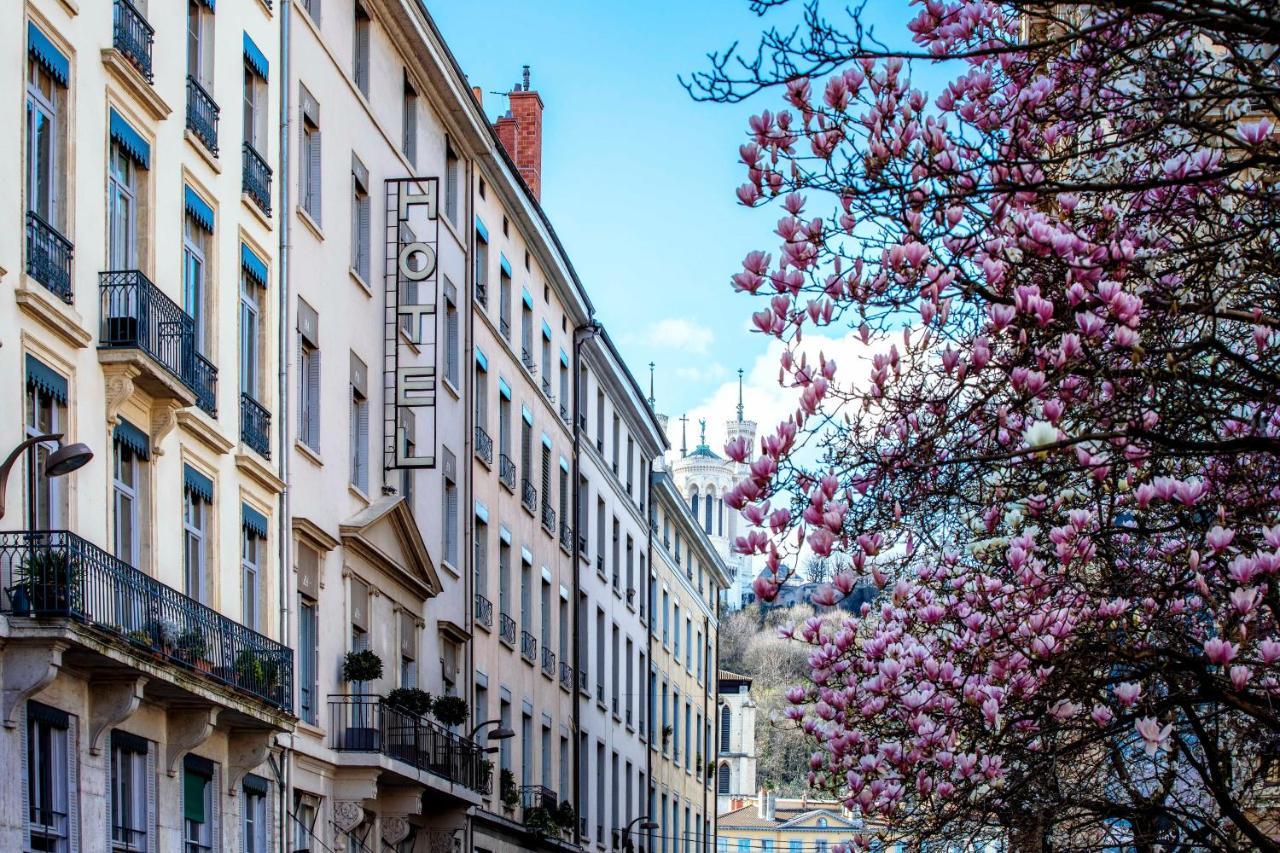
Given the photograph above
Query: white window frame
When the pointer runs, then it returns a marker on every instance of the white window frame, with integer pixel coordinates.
(250, 336)
(137, 788)
(126, 499)
(254, 822)
(38, 102)
(195, 278)
(195, 519)
(309, 395)
(122, 209)
(359, 441)
(251, 551)
(57, 764)
(51, 489)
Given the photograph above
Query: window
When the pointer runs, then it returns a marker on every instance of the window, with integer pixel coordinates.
(482, 264)
(504, 574)
(195, 281)
(409, 122)
(198, 803)
(526, 591)
(252, 548)
(504, 419)
(359, 426)
(308, 635)
(504, 745)
(255, 103)
(200, 43)
(361, 229)
(820, 846)
(408, 650)
(130, 794)
(253, 837)
(544, 615)
(360, 49)
(722, 779)
(626, 687)
(699, 657)
(546, 477)
(452, 176)
(546, 359)
(526, 451)
(675, 652)
(688, 645)
(615, 669)
(545, 755)
(744, 845)
(130, 450)
(51, 764)
(726, 723)
(617, 438)
(666, 624)
(631, 456)
(359, 617)
(526, 330)
(600, 648)
(766, 845)
(452, 344)
(252, 345)
(305, 806)
(481, 380)
(308, 377)
(504, 299)
(450, 508)
(309, 159)
(46, 98)
(197, 498)
(795, 845)
(600, 420)
(122, 209)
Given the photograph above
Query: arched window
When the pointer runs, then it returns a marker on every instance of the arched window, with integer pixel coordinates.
(722, 779)
(822, 823)
(707, 521)
(693, 501)
(724, 728)
(722, 516)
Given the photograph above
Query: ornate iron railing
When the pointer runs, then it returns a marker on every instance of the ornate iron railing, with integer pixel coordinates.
(565, 416)
(528, 646)
(57, 574)
(549, 518)
(484, 446)
(49, 257)
(566, 675)
(546, 388)
(482, 294)
(483, 611)
(204, 381)
(548, 661)
(366, 723)
(582, 544)
(504, 326)
(526, 358)
(507, 472)
(566, 536)
(202, 115)
(255, 425)
(257, 179)
(137, 315)
(528, 496)
(583, 682)
(538, 797)
(507, 629)
(132, 36)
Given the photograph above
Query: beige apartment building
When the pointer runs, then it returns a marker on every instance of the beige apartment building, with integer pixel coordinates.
(688, 577)
(147, 682)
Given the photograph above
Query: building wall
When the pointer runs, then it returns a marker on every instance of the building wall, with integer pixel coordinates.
(115, 668)
(738, 753)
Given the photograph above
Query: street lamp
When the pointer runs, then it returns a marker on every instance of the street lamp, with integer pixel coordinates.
(500, 733)
(64, 460)
(646, 826)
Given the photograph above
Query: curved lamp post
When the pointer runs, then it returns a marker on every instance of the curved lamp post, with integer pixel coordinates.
(64, 460)
(645, 826)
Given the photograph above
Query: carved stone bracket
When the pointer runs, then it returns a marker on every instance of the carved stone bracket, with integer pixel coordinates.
(120, 387)
(187, 730)
(164, 417)
(111, 703)
(394, 829)
(246, 749)
(347, 814)
(27, 668)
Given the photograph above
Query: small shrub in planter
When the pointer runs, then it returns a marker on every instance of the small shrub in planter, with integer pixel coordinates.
(566, 817)
(450, 710)
(253, 671)
(191, 645)
(362, 666)
(410, 699)
(507, 788)
(50, 580)
(540, 821)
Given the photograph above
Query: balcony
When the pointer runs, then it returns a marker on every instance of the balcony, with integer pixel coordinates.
(483, 611)
(202, 115)
(132, 36)
(139, 320)
(49, 257)
(528, 646)
(507, 630)
(566, 536)
(528, 496)
(582, 545)
(538, 797)
(504, 326)
(549, 519)
(365, 723)
(56, 574)
(583, 684)
(507, 472)
(257, 179)
(484, 447)
(482, 294)
(548, 662)
(546, 388)
(255, 425)
(565, 416)
(526, 358)
(204, 380)
(566, 676)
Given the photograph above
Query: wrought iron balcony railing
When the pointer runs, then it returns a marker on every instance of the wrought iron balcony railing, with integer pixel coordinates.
(528, 496)
(507, 629)
(482, 294)
(504, 326)
(566, 536)
(565, 416)
(204, 381)
(202, 115)
(483, 611)
(526, 358)
(546, 388)
(132, 36)
(528, 646)
(582, 544)
(137, 315)
(548, 661)
(549, 518)
(255, 425)
(49, 257)
(538, 797)
(484, 446)
(600, 564)
(366, 723)
(583, 682)
(507, 472)
(566, 675)
(257, 179)
(57, 574)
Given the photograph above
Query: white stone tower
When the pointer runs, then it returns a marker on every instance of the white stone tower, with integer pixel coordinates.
(736, 761)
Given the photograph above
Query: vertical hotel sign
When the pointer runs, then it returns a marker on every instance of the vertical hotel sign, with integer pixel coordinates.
(410, 328)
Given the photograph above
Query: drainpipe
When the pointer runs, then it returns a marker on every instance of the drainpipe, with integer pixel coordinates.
(468, 424)
(581, 334)
(283, 532)
(708, 710)
(648, 644)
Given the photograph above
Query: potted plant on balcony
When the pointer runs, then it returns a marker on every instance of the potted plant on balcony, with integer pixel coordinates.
(411, 700)
(507, 789)
(192, 648)
(450, 711)
(48, 582)
(257, 673)
(666, 736)
(362, 724)
(540, 822)
(566, 817)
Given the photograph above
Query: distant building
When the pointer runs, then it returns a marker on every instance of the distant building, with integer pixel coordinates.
(736, 762)
(771, 824)
(796, 592)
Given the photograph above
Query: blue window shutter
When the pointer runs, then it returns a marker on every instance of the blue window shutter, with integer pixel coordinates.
(255, 58)
(50, 58)
(504, 263)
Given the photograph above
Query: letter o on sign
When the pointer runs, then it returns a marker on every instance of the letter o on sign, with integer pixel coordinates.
(425, 268)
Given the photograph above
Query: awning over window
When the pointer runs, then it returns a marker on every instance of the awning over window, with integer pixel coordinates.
(201, 212)
(255, 784)
(528, 300)
(196, 483)
(253, 265)
(253, 521)
(50, 58)
(133, 438)
(504, 389)
(482, 359)
(44, 377)
(255, 57)
(481, 230)
(505, 264)
(130, 140)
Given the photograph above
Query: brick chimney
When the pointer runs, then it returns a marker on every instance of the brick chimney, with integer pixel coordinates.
(520, 132)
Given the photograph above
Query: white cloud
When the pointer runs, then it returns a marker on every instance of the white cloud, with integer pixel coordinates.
(677, 333)
(706, 373)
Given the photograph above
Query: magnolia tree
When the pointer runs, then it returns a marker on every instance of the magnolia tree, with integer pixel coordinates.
(1061, 464)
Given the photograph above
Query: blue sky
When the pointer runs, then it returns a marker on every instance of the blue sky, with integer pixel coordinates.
(638, 178)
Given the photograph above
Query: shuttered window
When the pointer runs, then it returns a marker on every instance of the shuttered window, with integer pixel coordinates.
(360, 49)
(452, 167)
(451, 342)
(409, 144)
(361, 229)
(450, 508)
(309, 172)
(359, 427)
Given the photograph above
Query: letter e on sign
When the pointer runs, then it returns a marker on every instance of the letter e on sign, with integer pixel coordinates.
(415, 386)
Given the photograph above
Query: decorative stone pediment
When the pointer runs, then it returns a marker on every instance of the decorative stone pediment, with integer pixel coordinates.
(386, 534)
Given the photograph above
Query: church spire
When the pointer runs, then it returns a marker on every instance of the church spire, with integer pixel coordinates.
(739, 393)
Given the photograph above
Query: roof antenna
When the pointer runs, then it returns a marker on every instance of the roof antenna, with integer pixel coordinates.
(739, 393)
(526, 78)
(651, 384)
(684, 436)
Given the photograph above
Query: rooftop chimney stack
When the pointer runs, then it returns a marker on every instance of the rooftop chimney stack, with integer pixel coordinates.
(520, 132)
